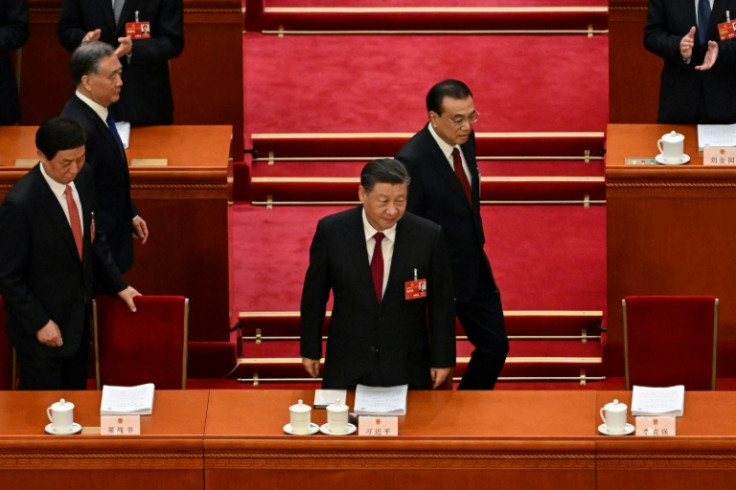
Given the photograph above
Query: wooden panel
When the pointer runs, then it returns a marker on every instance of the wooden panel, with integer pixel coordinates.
(633, 71)
(702, 455)
(448, 440)
(670, 231)
(167, 455)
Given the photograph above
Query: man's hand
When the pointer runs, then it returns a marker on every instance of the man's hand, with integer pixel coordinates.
(439, 376)
(311, 366)
(127, 295)
(50, 335)
(140, 229)
(125, 47)
(92, 36)
(687, 43)
(710, 57)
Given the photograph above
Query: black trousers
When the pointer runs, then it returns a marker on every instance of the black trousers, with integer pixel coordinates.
(483, 322)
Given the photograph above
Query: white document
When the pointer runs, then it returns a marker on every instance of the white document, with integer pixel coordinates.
(716, 135)
(123, 128)
(377, 401)
(654, 402)
(323, 398)
(127, 400)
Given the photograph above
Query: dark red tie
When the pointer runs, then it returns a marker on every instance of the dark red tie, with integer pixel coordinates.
(74, 219)
(457, 162)
(377, 266)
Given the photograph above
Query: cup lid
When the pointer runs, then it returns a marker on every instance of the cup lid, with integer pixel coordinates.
(300, 407)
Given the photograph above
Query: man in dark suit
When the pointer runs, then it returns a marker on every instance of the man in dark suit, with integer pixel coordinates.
(50, 259)
(386, 329)
(13, 34)
(445, 188)
(698, 83)
(146, 96)
(96, 72)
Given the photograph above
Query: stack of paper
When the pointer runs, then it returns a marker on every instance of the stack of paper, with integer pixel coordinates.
(377, 401)
(324, 398)
(658, 402)
(127, 400)
(716, 135)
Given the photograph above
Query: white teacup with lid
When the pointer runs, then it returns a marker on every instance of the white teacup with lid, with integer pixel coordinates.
(614, 417)
(337, 417)
(671, 147)
(61, 415)
(300, 417)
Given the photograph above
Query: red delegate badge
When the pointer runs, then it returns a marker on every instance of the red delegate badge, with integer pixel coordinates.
(138, 30)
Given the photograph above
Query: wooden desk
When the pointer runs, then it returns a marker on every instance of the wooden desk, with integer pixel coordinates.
(449, 440)
(185, 205)
(168, 455)
(702, 455)
(670, 230)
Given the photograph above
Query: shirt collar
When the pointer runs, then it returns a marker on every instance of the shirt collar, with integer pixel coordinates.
(100, 110)
(56, 187)
(446, 149)
(369, 231)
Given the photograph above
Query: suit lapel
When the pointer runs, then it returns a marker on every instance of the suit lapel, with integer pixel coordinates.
(399, 257)
(109, 15)
(101, 127)
(443, 171)
(129, 6)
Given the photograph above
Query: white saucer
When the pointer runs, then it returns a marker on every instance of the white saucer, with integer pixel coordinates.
(629, 430)
(683, 160)
(75, 429)
(325, 429)
(313, 429)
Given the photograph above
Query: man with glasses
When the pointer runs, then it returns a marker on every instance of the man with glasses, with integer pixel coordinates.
(445, 188)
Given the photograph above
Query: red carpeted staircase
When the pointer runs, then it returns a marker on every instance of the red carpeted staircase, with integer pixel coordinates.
(328, 87)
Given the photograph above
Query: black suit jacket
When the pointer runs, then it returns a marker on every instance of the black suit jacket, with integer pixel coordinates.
(388, 343)
(684, 91)
(116, 210)
(13, 34)
(145, 98)
(42, 277)
(435, 193)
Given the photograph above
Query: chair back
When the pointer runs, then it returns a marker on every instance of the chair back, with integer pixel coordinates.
(148, 346)
(671, 340)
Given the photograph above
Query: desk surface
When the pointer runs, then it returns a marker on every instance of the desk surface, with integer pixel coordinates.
(183, 146)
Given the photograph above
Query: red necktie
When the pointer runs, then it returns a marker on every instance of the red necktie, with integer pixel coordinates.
(74, 219)
(377, 266)
(457, 162)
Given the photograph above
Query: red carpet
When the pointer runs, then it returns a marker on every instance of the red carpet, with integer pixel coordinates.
(544, 257)
(349, 83)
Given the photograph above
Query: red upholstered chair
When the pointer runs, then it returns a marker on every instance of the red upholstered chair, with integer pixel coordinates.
(7, 358)
(148, 346)
(671, 340)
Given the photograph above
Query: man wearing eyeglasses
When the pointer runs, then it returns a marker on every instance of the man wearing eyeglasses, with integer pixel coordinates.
(446, 189)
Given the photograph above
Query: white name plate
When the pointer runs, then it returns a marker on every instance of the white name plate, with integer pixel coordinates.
(120, 425)
(655, 426)
(378, 426)
(717, 155)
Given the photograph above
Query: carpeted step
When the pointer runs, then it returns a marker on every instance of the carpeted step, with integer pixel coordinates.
(284, 16)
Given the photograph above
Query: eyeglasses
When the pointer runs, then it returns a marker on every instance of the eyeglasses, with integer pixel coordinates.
(460, 121)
